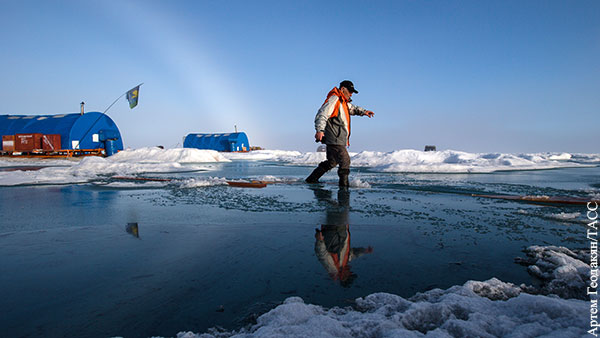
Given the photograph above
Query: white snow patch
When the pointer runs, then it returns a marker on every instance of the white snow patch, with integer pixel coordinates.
(563, 156)
(358, 183)
(566, 216)
(202, 182)
(124, 163)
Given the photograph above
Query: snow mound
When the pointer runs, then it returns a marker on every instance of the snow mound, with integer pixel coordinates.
(476, 309)
(562, 271)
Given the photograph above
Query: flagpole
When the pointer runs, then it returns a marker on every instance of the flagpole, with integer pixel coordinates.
(104, 113)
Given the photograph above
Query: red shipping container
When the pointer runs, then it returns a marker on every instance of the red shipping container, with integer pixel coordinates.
(28, 142)
(51, 142)
(8, 142)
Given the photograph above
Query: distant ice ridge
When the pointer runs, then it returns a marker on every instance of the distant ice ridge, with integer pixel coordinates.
(124, 163)
(264, 155)
(447, 161)
(476, 309)
(452, 161)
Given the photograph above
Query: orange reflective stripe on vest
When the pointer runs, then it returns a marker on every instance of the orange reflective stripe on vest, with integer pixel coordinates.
(335, 91)
(340, 266)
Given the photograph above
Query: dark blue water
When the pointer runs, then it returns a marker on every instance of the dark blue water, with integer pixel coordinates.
(220, 256)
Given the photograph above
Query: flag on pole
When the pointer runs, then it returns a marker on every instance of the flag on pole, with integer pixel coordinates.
(132, 96)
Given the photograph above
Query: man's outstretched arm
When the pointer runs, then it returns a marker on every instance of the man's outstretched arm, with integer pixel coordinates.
(360, 111)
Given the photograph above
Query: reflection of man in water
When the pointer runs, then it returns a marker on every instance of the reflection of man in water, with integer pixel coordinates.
(332, 245)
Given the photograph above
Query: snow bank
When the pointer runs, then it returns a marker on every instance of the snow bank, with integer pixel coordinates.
(447, 161)
(124, 163)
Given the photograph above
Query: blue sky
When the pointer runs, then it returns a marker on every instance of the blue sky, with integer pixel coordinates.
(478, 76)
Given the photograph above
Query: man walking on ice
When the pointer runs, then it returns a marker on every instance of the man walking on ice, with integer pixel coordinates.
(332, 125)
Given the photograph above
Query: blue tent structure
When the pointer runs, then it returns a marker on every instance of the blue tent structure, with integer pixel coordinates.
(219, 142)
(92, 130)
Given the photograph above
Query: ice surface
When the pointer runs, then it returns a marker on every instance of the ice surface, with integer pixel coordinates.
(124, 163)
(415, 161)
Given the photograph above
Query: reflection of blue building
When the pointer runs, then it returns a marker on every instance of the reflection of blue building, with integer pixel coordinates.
(218, 142)
(91, 130)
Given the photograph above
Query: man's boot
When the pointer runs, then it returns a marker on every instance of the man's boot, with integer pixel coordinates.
(343, 174)
(317, 173)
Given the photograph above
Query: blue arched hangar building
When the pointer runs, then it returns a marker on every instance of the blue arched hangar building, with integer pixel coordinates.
(92, 130)
(230, 142)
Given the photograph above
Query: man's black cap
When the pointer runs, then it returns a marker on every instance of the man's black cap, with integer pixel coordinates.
(349, 85)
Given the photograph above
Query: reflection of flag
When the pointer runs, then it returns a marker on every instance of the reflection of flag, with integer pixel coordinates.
(132, 96)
